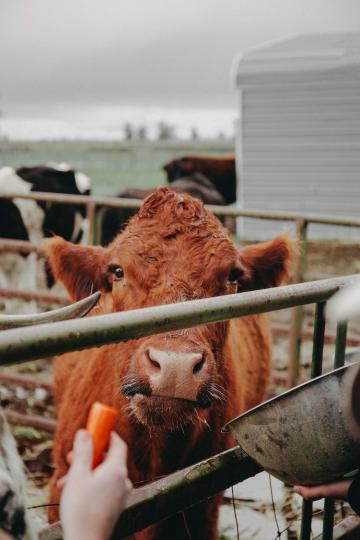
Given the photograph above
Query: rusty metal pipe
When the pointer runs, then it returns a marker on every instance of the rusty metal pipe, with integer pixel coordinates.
(218, 210)
(56, 338)
(280, 329)
(176, 492)
(18, 246)
(26, 382)
(35, 421)
(42, 297)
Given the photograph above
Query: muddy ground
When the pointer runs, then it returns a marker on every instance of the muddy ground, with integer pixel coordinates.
(253, 501)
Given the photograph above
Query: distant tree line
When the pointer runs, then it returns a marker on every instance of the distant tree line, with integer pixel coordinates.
(164, 132)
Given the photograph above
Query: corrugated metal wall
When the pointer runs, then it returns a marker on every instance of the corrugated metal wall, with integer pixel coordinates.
(299, 147)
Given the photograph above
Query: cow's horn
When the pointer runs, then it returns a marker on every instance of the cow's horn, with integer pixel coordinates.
(79, 309)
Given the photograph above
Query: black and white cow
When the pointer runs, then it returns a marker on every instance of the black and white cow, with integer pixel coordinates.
(23, 219)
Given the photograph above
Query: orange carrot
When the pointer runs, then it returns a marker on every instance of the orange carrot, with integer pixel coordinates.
(100, 423)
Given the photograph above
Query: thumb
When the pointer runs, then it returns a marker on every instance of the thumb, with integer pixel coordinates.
(82, 454)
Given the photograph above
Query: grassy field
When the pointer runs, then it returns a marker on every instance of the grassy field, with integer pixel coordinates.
(112, 166)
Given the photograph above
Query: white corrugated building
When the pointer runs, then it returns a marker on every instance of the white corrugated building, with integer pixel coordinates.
(298, 131)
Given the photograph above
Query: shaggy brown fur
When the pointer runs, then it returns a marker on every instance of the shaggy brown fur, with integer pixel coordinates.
(172, 250)
(114, 220)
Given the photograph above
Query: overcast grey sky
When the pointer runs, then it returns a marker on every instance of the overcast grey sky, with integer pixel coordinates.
(158, 52)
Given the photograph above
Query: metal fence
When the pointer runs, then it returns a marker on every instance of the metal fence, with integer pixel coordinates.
(28, 344)
(94, 204)
(198, 482)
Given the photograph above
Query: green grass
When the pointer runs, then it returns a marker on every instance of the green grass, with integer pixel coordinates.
(112, 166)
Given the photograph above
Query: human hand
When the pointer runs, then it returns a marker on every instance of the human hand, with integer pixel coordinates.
(92, 500)
(338, 490)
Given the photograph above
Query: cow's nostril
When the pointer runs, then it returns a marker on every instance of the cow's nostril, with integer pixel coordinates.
(151, 356)
(155, 364)
(198, 366)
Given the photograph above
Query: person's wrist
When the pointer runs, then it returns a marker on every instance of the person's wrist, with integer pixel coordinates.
(83, 531)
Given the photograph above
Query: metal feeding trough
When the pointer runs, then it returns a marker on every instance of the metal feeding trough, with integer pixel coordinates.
(309, 434)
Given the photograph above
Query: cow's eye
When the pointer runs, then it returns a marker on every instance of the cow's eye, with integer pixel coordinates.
(118, 272)
(234, 275)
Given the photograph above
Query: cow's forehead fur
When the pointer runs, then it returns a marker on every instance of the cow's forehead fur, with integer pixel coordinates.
(173, 227)
(173, 213)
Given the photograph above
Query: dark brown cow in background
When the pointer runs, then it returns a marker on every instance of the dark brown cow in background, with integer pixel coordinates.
(219, 170)
(174, 391)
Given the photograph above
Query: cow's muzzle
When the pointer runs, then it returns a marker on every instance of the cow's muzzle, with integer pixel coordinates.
(173, 375)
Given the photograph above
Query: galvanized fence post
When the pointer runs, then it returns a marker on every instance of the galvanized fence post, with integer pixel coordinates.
(297, 314)
(340, 344)
(329, 504)
(316, 367)
(97, 226)
(90, 216)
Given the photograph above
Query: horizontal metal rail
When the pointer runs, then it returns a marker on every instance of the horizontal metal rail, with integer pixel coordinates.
(64, 198)
(93, 204)
(116, 202)
(176, 492)
(21, 345)
(31, 383)
(18, 246)
(41, 296)
(30, 420)
(282, 330)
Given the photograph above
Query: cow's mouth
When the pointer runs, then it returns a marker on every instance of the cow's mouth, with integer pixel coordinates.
(168, 412)
(203, 400)
(165, 412)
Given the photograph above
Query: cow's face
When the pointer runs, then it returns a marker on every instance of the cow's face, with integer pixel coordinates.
(173, 250)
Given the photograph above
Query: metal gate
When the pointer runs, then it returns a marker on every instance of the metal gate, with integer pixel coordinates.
(185, 488)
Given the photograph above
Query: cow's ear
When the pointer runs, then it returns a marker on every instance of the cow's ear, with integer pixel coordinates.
(266, 264)
(80, 268)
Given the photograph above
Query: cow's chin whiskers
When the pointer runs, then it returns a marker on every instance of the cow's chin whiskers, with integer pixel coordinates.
(217, 392)
(202, 421)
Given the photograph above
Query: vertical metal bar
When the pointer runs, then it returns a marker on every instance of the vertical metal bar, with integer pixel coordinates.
(90, 216)
(96, 226)
(318, 340)
(328, 521)
(340, 344)
(329, 505)
(99, 218)
(297, 314)
(316, 367)
(306, 518)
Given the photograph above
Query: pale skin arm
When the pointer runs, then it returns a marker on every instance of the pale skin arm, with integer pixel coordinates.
(92, 500)
(337, 490)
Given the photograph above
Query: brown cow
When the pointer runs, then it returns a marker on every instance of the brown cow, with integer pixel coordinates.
(176, 390)
(220, 171)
